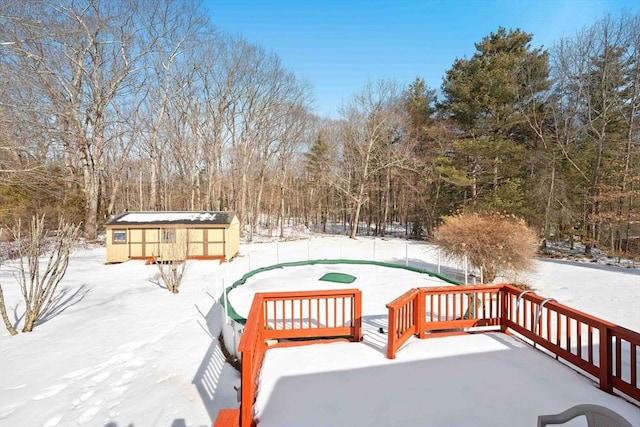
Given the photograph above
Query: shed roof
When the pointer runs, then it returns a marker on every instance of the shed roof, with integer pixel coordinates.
(173, 218)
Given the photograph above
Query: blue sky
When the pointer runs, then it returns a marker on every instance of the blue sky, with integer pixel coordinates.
(339, 45)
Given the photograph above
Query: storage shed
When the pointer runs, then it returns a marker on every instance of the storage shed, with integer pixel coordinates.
(173, 236)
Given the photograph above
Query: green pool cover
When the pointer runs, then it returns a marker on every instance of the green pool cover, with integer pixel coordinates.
(338, 278)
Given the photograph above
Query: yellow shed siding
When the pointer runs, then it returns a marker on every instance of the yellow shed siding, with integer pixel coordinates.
(191, 240)
(117, 251)
(232, 239)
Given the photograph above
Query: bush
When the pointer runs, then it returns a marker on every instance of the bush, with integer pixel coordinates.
(497, 243)
(172, 264)
(39, 278)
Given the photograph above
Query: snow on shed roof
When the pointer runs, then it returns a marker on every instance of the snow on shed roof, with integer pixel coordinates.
(183, 217)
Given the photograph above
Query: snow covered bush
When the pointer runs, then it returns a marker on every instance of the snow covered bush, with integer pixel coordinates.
(494, 242)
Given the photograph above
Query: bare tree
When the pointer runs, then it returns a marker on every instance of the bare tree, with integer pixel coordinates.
(3, 308)
(172, 264)
(79, 63)
(370, 131)
(3, 312)
(597, 74)
(39, 278)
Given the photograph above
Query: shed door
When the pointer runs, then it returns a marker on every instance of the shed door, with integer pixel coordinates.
(196, 237)
(136, 243)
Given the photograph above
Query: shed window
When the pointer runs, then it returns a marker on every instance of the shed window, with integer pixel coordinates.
(169, 235)
(119, 236)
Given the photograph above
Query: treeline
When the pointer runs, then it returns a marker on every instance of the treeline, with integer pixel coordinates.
(144, 105)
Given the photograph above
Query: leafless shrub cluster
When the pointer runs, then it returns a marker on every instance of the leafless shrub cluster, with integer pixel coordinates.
(39, 276)
(172, 264)
(495, 242)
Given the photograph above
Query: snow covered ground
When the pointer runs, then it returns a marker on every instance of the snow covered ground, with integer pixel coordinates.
(123, 351)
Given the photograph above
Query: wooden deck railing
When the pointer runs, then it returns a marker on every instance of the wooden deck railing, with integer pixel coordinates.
(604, 350)
(404, 318)
(441, 311)
(278, 316)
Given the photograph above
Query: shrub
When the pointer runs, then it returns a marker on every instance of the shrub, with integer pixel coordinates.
(43, 257)
(495, 242)
(172, 264)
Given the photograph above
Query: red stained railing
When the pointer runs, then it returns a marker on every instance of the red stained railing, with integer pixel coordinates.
(279, 316)
(604, 350)
(310, 314)
(404, 318)
(441, 311)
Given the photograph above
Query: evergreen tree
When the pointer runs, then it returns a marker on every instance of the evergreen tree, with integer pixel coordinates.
(316, 166)
(487, 97)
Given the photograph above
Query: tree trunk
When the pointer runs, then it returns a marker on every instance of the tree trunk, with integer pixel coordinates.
(282, 210)
(356, 214)
(547, 211)
(29, 321)
(91, 197)
(5, 318)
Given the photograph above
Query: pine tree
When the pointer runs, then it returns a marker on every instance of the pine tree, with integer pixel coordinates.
(487, 97)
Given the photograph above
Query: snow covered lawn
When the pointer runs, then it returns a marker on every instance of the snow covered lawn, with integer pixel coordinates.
(122, 351)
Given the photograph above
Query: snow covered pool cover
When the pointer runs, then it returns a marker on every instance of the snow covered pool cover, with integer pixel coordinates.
(379, 282)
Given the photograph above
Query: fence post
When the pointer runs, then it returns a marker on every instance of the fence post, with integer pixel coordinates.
(605, 359)
(374, 248)
(217, 291)
(466, 270)
(225, 300)
(406, 254)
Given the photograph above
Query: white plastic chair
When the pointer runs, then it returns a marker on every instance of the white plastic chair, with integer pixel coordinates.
(597, 416)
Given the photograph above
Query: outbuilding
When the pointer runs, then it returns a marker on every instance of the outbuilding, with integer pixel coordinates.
(172, 236)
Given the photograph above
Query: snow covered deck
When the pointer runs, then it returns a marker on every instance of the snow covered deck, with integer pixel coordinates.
(477, 377)
(487, 379)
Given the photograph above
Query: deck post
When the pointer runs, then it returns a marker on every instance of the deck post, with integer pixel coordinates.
(391, 335)
(247, 389)
(504, 308)
(357, 303)
(605, 359)
(419, 312)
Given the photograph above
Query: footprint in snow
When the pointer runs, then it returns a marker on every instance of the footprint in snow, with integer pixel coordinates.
(53, 421)
(79, 374)
(7, 411)
(18, 387)
(100, 377)
(86, 395)
(88, 415)
(50, 391)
